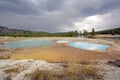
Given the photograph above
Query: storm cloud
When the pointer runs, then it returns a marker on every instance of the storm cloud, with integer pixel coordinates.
(60, 15)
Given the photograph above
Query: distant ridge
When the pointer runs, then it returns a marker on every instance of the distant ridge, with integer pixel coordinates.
(4, 29)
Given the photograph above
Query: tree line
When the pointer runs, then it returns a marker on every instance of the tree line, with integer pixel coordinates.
(109, 31)
(40, 34)
(75, 33)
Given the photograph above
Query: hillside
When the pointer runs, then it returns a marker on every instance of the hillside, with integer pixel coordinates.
(5, 30)
(109, 31)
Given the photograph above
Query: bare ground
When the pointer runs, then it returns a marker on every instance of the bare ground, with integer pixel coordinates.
(62, 52)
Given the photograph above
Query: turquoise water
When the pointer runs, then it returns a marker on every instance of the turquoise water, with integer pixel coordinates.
(26, 44)
(89, 46)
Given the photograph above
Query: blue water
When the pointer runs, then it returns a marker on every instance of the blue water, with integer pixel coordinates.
(89, 46)
(26, 44)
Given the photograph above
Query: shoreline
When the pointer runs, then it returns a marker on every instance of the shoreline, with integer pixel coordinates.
(62, 50)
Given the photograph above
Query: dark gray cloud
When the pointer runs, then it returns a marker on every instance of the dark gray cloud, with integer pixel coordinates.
(59, 15)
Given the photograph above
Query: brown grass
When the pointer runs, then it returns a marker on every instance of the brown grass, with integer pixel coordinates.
(54, 75)
(84, 62)
(11, 69)
(72, 72)
(90, 70)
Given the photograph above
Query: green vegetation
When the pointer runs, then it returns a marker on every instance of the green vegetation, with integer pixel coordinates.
(85, 33)
(93, 32)
(61, 34)
(109, 31)
(41, 34)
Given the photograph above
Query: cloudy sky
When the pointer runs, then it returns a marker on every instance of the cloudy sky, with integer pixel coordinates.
(60, 15)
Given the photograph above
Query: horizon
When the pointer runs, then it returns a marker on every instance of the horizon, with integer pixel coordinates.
(60, 15)
(61, 31)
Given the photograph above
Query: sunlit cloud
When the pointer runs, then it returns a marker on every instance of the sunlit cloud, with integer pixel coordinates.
(60, 15)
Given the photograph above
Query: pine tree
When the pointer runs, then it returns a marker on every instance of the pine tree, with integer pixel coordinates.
(93, 32)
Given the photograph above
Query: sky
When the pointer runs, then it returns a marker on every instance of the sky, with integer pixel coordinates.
(60, 15)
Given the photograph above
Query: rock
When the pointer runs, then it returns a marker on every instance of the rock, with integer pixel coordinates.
(5, 54)
(8, 78)
(115, 63)
(110, 72)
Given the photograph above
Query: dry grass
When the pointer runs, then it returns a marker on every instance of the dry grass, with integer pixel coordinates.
(73, 69)
(11, 69)
(54, 75)
(71, 72)
(84, 62)
(91, 71)
(86, 70)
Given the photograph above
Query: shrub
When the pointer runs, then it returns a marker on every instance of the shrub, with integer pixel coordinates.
(71, 72)
(90, 71)
(13, 69)
(85, 62)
